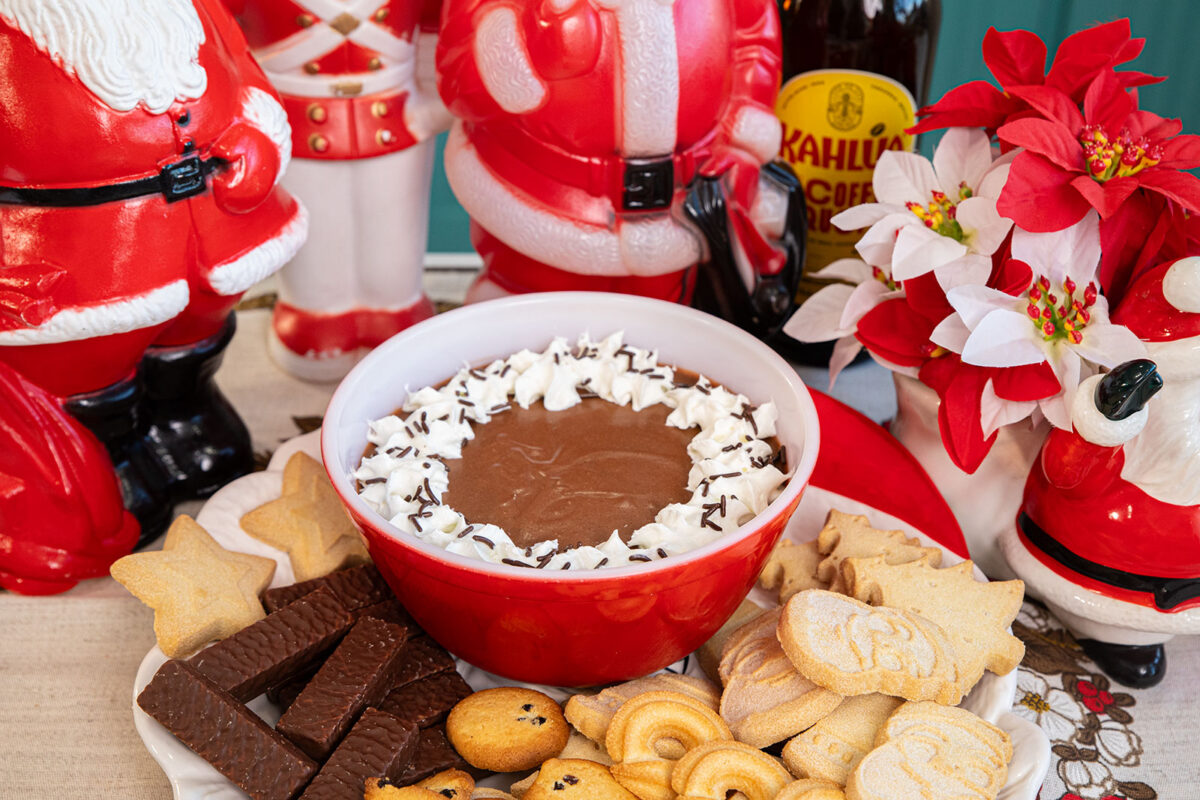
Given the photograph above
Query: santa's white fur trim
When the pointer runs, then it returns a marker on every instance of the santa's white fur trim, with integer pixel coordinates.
(504, 63)
(649, 104)
(237, 276)
(558, 240)
(758, 132)
(1178, 360)
(1097, 428)
(1181, 284)
(265, 113)
(126, 52)
(131, 314)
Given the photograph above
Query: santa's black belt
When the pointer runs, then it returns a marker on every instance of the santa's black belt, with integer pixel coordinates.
(1168, 592)
(181, 179)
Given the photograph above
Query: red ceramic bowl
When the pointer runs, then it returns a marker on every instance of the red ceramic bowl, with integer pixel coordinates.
(568, 628)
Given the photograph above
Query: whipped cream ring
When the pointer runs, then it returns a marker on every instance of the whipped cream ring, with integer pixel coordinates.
(733, 475)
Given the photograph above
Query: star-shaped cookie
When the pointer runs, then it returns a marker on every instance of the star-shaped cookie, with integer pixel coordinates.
(851, 536)
(307, 522)
(199, 590)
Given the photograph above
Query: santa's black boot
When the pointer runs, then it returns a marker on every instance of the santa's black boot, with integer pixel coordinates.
(112, 415)
(1139, 666)
(198, 439)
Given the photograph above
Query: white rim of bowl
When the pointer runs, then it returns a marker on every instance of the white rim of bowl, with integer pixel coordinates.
(341, 481)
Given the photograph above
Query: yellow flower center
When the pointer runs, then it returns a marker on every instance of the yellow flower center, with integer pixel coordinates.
(1060, 317)
(1115, 158)
(941, 214)
(1035, 702)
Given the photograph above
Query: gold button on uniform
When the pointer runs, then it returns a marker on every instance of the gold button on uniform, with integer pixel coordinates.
(381, 14)
(384, 137)
(379, 108)
(318, 143)
(305, 20)
(312, 68)
(317, 113)
(374, 63)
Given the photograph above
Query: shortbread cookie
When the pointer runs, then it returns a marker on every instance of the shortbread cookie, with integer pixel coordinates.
(575, 779)
(645, 723)
(792, 568)
(929, 750)
(764, 624)
(851, 536)
(485, 793)
(852, 648)
(974, 614)
(831, 749)
(453, 784)
(709, 653)
(578, 747)
(507, 729)
(591, 714)
(382, 789)
(811, 789)
(765, 699)
(308, 522)
(199, 590)
(713, 770)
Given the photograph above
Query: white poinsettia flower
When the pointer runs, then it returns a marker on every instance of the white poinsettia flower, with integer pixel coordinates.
(1060, 320)
(938, 216)
(834, 311)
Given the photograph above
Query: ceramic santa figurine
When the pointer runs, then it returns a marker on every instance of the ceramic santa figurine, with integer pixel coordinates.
(140, 151)
(1109, 532)
(582, 123)
(358, 83)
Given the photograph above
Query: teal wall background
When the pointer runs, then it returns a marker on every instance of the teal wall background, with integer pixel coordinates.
(1169, 26)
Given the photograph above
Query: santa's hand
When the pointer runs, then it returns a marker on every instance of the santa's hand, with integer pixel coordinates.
(738, 170)
(251, 164)
(563, 38)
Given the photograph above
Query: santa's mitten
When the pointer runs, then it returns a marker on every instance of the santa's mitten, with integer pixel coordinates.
(1127, 388)
(252, 164)
(738, 170)
(563, 38)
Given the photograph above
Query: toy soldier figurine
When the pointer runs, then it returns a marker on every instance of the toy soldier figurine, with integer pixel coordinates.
(357, 81)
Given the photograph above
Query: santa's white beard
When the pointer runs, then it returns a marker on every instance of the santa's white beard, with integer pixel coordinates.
(1164, 459)
(125, 51)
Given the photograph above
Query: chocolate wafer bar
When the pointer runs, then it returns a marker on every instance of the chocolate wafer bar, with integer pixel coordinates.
(377, 745)
(357, 674)
(426, 702)
(356, 587)
(423, 657)
(225, 733)
(434, 754)
(276, 647)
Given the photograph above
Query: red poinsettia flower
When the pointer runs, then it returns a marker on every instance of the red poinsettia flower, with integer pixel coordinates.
(1018, 59)
(1074, 161)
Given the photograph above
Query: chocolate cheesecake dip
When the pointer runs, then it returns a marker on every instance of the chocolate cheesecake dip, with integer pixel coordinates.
(578, 457)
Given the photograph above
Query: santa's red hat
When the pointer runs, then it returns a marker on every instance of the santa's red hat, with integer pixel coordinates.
(1163, 305)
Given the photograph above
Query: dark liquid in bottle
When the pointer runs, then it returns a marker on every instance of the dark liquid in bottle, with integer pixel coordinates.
(854, 73)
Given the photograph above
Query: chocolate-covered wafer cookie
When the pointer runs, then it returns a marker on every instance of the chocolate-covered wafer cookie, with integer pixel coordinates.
(422, 657)
(357, 674)
(276, 647)
(225, 733)
(427, 702)
(434, 754)
(377, 745)
(356, 587)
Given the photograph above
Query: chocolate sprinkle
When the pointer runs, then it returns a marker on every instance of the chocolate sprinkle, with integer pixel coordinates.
(661, 553)
(434, 500)
(370, 481)
(513, 562)
(602, 562)
(484, 540)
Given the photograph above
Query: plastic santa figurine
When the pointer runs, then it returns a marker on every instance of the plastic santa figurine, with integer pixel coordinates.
(357, 81)
(1109, 532)
(140, 148)
(583, 123)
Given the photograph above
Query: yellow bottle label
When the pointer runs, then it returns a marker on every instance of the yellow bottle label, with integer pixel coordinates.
(836, 124)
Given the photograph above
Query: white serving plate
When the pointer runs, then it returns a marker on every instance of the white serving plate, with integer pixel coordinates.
(192, 778)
